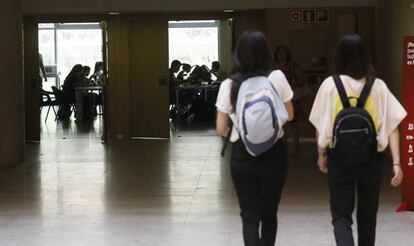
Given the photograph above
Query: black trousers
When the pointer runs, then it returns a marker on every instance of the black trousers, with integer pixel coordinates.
(346, 186)
(259, 182)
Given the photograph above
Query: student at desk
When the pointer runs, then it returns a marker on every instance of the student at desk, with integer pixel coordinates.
(73, 79)
(89, 99)
(98, 73)
(217, 74)
(173, 82)
(86, 70)
(184, 73)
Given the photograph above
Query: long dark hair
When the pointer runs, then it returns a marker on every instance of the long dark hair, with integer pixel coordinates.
(252, 57)
(75, 69)
(352, 58)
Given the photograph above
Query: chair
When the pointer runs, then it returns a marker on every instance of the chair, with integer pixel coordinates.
(63, 104)
(47, 101)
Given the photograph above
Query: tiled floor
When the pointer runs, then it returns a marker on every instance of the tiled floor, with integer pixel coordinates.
(77, 191)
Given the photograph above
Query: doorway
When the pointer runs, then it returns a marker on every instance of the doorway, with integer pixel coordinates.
(199, 60)
(72, 73)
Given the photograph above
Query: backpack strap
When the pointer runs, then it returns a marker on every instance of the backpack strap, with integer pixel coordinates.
(365, 93)
(238, 78)
(341, 91)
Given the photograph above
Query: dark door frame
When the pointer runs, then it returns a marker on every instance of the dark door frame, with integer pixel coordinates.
(31, 67)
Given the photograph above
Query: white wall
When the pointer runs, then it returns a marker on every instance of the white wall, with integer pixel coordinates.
(102, 6)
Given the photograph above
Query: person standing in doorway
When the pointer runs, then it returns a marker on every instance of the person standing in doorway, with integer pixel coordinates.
(259, 179)
(42, 71)
(356, 117)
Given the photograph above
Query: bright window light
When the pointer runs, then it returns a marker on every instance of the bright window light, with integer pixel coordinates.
(193, 42)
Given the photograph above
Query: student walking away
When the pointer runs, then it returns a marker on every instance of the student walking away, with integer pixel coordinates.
(257, 101)
(356, 117)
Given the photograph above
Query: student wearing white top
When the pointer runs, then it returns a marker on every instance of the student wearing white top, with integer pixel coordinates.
(258, 180)
(353, 64)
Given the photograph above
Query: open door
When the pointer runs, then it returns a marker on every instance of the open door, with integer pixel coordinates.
(31, 80)
(149, 78)
(105, 125)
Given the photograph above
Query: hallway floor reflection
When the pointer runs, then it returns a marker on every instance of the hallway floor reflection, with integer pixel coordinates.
(78, 191)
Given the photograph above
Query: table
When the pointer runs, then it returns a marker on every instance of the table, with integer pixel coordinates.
(179, 88)
(79, 114)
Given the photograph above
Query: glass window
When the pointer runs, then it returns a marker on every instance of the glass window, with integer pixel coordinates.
(47, 46)
(67, 44)
(46, 25)
(78, 47)
(193, 42)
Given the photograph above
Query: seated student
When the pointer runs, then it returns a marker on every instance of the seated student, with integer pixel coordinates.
(173, 81)
(183, 74)
(89, 98)
(98, 73)
(200, 74)
(86, 70)
(218, 75)
(97, 78)
(73, 79)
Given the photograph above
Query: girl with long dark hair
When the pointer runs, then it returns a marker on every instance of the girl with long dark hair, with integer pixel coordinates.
(354, 70)
(258, 180)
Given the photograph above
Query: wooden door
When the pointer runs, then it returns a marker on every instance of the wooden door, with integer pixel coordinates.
(148, 77)
(31, 81)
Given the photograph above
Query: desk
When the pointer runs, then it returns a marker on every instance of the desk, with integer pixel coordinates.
(80, 91)
(179, 88)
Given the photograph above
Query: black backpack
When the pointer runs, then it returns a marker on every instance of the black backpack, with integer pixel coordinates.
(354, 135)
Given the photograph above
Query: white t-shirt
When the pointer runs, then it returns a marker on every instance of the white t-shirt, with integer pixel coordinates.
(223, 103)
(384, 109)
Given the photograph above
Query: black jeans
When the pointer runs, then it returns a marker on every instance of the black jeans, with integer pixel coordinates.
(342, 184)
(259, 182)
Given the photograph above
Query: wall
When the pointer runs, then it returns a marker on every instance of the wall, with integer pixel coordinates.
(101, 6)
(119, 84)
(225, 45)
(11, 93)
(307, 40)
(395, 19)
(118, 98)
(274, 22)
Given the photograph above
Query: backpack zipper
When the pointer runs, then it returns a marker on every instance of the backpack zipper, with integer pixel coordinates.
(366, 130)
(339, 123)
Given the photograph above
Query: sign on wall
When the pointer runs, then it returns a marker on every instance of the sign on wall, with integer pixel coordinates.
(298, 16)
(407, 136)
